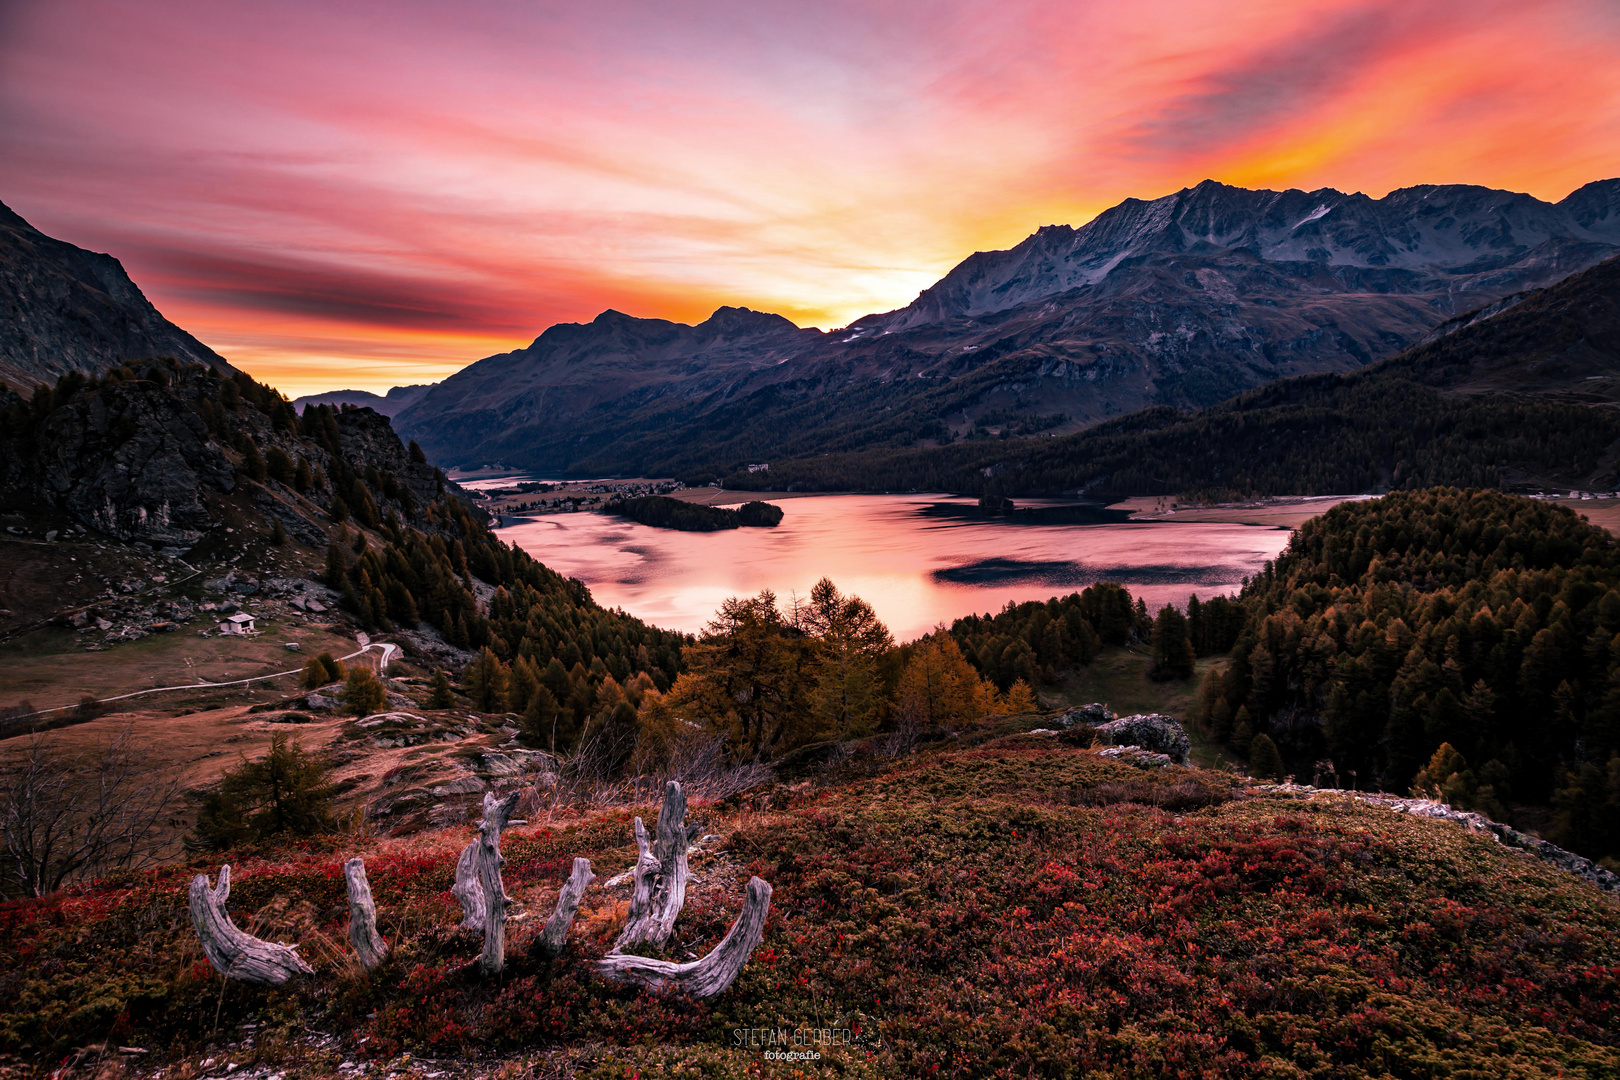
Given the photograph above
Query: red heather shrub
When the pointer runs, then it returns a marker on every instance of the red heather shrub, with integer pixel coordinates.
(992, 912)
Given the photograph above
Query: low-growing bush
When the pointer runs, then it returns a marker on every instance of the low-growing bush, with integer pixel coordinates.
(1139, 923)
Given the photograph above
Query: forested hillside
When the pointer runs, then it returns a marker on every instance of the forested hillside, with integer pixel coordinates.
(162, 455)
(1464, 642)
(663, 512)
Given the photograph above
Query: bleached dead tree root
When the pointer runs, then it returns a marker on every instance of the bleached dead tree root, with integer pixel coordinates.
(368, 944)
(660, 879)
(482, 862)
(710, 975)
(235, 953)
(555, 935)
(660, 876)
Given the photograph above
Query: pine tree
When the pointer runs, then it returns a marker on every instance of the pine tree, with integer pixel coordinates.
(1173, 656)
(337, 567)
(938, 687)
(1447, 779)
(252, 463)
(524, 682)
(314, 675)
(485, 679)
(278, 532)
(1020, 698)
(1243, 730)
(362, 693)
(278, 466)
(1264, 761)
(334, 669)
(286, 793)
(441, 697)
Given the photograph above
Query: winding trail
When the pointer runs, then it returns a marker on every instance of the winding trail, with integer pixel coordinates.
(387, 648)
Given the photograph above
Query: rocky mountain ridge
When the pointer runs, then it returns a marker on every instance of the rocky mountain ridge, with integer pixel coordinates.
(1439, 229)
(1520, 398)
(68, 309)
(1181, 301)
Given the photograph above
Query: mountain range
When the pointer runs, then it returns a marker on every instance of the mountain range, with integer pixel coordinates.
(1521, 397)
(1181, 301)
(68, 309)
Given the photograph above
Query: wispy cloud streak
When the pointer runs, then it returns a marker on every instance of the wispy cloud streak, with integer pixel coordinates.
(406, 186)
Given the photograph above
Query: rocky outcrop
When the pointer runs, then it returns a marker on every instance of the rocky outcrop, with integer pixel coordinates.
(1094, 715)
(146, 454)
(1151, 738)
(68, 309)
(368, 440)
(1151, 732)
(1567, 861)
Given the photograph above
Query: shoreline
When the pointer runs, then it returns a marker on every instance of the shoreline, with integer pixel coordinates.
(1277, 511)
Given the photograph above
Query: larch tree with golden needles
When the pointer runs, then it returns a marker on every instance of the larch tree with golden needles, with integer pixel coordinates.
(848, 698)
(938, 686)
(747, 678)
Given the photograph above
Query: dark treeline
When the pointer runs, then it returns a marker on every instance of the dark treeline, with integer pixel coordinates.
(664, 512)
(1316, 434)
(1039, 642)
(1464, 643)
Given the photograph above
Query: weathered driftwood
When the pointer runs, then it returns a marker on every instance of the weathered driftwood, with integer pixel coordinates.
(555, 934)
(368, 944)
(235, 953)
(660, 875)
(487, 864)
(710, 975)
(467, 890)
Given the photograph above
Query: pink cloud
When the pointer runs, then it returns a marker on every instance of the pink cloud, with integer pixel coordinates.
(418, 185)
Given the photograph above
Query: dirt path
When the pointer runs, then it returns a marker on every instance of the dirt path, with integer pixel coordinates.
(387, 648)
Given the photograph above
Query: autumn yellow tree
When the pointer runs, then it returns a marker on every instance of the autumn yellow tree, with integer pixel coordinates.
(938, 686)
(848, 697)
(747, 679)
(1020, 698)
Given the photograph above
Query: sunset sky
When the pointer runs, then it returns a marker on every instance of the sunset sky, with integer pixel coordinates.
(342, 194)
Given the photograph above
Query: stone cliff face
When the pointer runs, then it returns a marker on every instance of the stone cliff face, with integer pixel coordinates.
(66, 309)
(132, 461)
(1183, 301)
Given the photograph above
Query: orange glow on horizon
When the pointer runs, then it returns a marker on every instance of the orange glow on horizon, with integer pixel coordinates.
(371, 195)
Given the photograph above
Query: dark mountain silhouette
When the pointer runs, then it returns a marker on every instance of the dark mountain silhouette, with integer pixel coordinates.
(1183, 301)
(390, 404)
(68, 309)
(1520, 397)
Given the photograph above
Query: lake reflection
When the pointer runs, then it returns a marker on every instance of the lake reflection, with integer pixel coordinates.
(915, 566)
